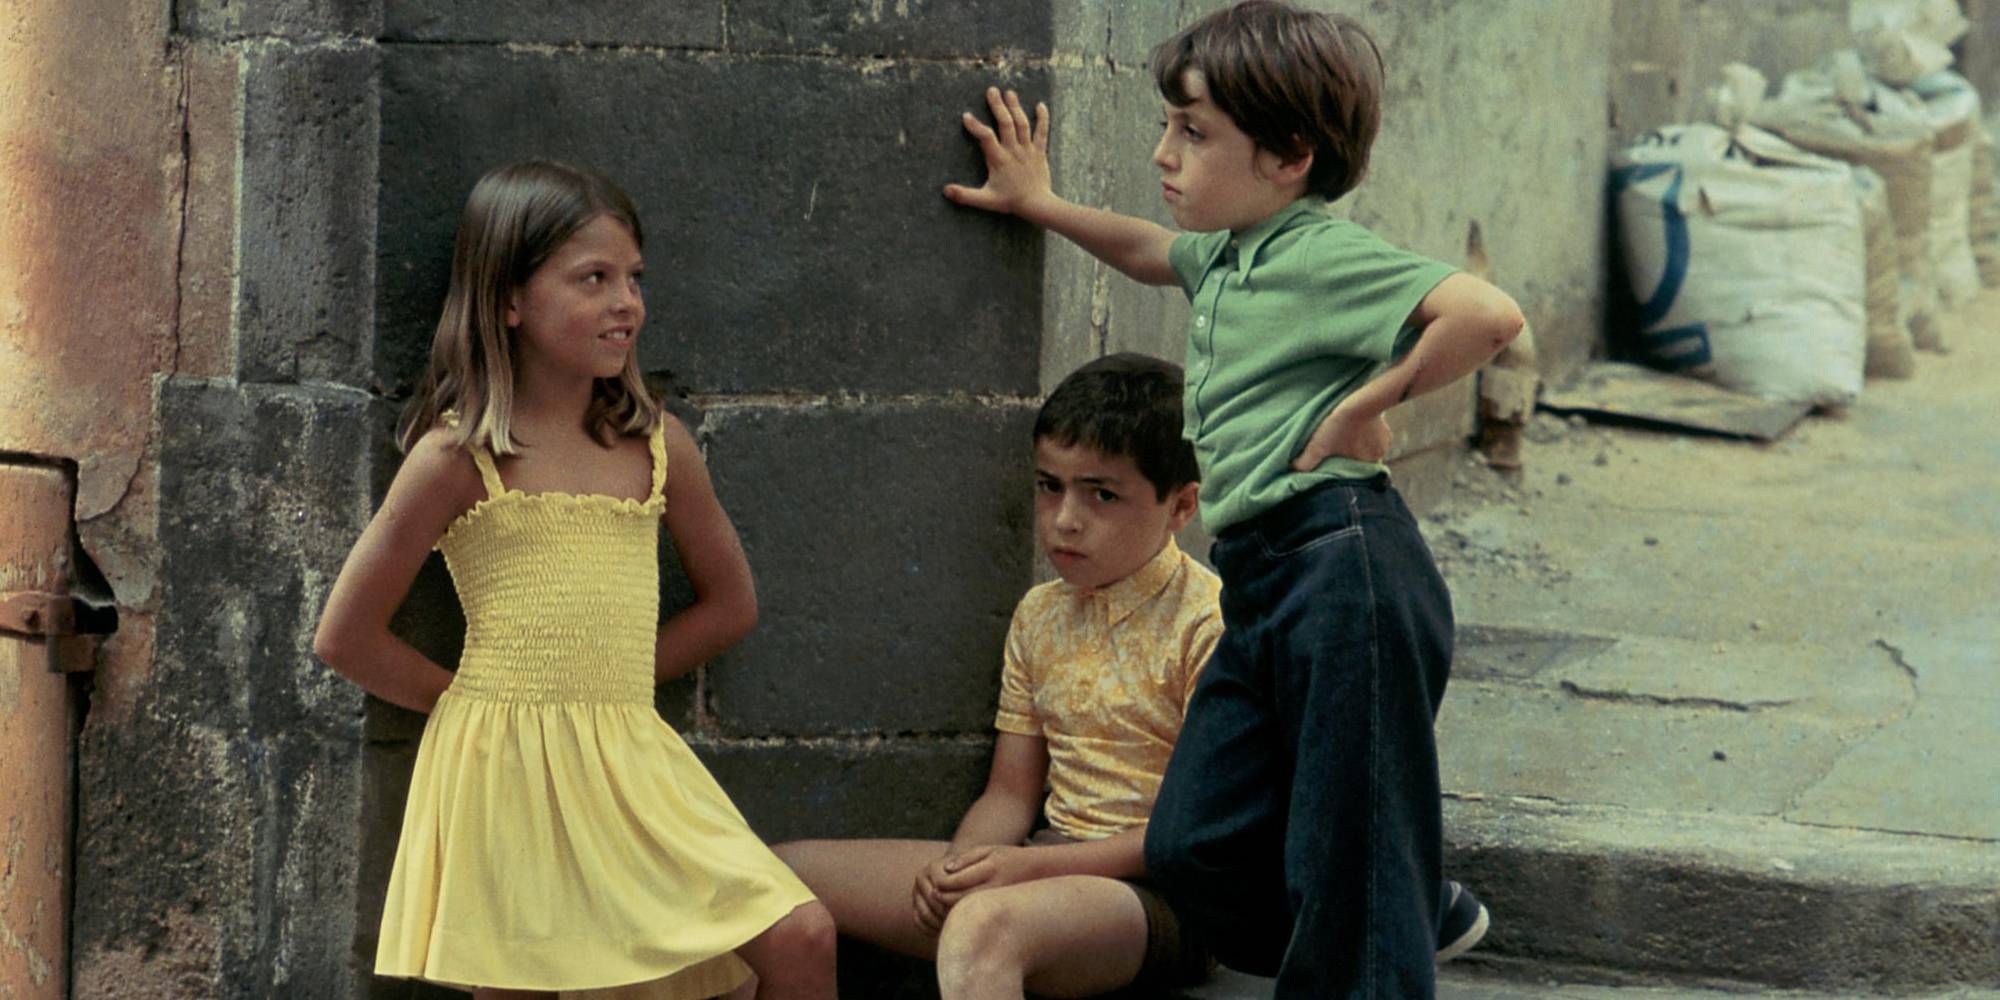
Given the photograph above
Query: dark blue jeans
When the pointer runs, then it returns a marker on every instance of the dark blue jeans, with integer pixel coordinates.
(1299, 822)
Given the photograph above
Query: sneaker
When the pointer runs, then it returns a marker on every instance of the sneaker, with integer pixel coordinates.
(1462, 924)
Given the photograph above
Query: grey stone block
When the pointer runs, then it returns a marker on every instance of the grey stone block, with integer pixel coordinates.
(243, 813)
(298, 19)
(589, 22)
(890, 545)
(820, 789)
(938, 29)
(187, 832)
(262, 492)
(797, 236)
(1121, 35)
(226, 800)
(305, 255)
(1105, 124)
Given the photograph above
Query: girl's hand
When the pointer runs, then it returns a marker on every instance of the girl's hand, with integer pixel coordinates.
(1017, 156)
(1345, 435)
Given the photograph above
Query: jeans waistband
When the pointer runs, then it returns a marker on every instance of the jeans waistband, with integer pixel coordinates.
(1287, 510)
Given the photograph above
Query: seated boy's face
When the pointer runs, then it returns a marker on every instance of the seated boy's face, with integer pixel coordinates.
(1098, 519)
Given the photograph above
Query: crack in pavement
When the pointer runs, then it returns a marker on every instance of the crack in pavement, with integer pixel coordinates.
(1628, 697)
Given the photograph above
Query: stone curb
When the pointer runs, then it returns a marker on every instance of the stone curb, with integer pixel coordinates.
(1711, 896)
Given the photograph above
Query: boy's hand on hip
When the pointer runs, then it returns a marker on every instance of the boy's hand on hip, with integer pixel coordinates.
(1017, 156)
(1345, 435)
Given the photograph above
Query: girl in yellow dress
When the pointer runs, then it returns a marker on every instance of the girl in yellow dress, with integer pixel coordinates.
(559, 836)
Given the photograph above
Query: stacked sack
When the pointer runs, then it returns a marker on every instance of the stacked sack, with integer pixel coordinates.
(1839, 112)
(1985, 205)
(1952, 108)
(1747, 254)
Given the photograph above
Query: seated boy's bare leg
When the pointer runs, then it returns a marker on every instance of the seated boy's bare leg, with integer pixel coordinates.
(868, 885)
(1070, 936)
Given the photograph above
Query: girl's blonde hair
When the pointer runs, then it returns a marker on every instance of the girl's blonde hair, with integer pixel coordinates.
(515, 218)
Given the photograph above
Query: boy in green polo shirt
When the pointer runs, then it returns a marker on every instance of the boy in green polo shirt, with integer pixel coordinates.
(1299, 820)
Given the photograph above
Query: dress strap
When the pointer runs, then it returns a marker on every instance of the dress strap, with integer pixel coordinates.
(487, 472)
(483, 459)
(658, 443)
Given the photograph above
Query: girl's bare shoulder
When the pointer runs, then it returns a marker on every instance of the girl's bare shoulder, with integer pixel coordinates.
(439, 473)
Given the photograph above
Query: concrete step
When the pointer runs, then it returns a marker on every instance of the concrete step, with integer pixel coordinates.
(1478, 983)
(1704, 896)
(1793, 814)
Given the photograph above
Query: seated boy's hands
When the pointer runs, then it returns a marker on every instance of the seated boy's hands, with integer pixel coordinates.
(927, 899)
(1346, 435)
(1017, 156)
(951, 878)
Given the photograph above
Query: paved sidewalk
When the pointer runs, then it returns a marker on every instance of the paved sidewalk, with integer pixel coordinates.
(1459, 984)
(1724, 709)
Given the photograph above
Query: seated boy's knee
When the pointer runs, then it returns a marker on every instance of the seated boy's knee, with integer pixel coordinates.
(982, 924)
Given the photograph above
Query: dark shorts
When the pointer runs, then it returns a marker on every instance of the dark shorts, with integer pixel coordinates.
(1175, 954)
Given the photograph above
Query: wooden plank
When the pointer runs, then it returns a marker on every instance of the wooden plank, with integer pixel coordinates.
(1637, 393)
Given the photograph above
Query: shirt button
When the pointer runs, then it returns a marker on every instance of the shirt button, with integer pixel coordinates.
(1235, 243)
(1201, 321)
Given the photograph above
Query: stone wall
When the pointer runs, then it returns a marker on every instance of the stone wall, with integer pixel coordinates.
(239, 251)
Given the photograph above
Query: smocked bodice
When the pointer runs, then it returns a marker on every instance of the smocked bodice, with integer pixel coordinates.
(560, 591)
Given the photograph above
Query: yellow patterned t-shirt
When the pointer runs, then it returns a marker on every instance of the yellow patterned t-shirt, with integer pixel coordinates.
(1104, 677)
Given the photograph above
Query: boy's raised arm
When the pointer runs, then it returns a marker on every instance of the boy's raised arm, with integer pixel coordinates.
(1017, 183)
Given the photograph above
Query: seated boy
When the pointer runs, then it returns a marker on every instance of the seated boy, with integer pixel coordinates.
(1098, 668)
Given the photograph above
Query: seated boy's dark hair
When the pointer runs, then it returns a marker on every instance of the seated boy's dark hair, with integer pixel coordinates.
(1294, 81)
(1129, 405)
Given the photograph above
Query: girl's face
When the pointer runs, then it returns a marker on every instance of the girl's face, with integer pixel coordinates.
(580, 312)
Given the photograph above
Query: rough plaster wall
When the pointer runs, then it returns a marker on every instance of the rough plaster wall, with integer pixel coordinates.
(92, 175)
(1978, 58)
(1667, 55)
(1493, 112)
(219, 765)
(87, 296)
(1777, 38)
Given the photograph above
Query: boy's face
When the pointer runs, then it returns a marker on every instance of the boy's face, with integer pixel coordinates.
(1098, 519)
(1212, 175)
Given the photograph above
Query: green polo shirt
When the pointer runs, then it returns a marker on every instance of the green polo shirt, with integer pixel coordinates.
(1288, 317)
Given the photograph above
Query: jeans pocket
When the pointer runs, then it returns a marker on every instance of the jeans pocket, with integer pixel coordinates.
(1331, 515)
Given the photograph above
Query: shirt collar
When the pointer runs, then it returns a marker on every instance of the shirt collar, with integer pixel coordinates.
(1124, 597)
(1251, 240)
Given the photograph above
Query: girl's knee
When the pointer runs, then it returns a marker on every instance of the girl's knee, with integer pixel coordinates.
(809, 932)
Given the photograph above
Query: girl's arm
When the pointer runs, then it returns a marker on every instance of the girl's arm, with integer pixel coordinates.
(1017, 183)
(1465, 322)
(436, 484)
(725, 596)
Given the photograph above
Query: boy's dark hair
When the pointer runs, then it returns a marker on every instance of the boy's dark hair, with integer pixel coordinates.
(1294, 81)
(1124, 404)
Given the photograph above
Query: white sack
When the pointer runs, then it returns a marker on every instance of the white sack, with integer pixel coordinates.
(1747, 256)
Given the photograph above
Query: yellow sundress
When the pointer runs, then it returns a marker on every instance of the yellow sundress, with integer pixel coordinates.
(559, 835)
